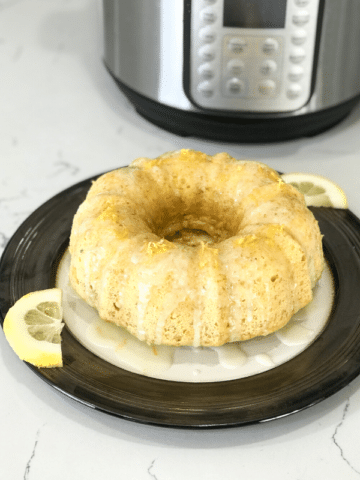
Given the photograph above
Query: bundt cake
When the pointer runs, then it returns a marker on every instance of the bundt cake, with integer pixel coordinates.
(191, 249)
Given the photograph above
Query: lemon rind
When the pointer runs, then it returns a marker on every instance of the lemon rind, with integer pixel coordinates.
(27, 348)
(334, 192)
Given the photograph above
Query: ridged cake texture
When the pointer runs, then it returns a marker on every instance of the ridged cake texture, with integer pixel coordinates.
(192, 249)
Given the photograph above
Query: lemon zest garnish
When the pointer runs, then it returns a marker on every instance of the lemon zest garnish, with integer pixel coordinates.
(274, 229)
(273, 175)
(108, 214)
(208, 256)
(152, 163)
(189, 155)
(154, 248)
(248, 240)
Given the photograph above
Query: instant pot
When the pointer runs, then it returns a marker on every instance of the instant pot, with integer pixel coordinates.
(236, 70)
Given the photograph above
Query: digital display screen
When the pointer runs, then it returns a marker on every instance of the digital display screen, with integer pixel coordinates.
(254, 13)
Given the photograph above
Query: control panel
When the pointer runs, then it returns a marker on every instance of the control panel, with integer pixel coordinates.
(252, 55)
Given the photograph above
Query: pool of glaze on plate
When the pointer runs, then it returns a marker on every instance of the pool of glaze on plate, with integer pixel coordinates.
(232, 361)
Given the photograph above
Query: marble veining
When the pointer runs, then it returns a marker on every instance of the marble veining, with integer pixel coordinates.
(32, 456)
(150, 472)
(336, 442)
(3, 240)
(62, 166)
(20, 195)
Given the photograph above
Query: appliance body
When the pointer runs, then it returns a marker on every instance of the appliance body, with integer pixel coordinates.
(236, 70)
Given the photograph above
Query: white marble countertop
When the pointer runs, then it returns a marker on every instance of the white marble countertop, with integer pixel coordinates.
(62, 120)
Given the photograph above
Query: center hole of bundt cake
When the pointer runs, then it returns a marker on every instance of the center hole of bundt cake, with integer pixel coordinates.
(192, 229)
(191, 237)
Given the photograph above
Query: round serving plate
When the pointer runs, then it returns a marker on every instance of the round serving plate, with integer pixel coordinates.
(30, 262)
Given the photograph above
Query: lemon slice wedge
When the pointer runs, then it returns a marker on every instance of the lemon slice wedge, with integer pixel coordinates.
(318, 191)
(33, 328)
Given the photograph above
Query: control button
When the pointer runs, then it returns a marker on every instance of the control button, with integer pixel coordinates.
(299, 37)
(296, 73)
(206, 89)
(301, 18)
(207, 53)
(270, 46)
(208, 16)
(268, 67)
(294, 91)
(206, 71)
(237, 45)
(301, 3)
(207, 35)
(235, 86)
(235, 67)
(297, 55)
(267, 87)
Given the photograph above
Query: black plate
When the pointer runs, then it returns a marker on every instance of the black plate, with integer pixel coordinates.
(30, 263)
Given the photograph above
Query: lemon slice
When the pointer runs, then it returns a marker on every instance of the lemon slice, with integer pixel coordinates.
(33, 328)
(318, 191)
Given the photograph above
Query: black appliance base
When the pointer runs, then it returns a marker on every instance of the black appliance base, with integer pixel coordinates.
(249, 128)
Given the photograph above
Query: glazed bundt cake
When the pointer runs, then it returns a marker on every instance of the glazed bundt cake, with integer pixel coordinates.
(191, 249)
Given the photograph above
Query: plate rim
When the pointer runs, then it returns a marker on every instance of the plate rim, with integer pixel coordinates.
(181, 404)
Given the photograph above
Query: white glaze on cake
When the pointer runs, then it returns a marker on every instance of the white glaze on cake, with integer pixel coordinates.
(197, 250)
(203, 364)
